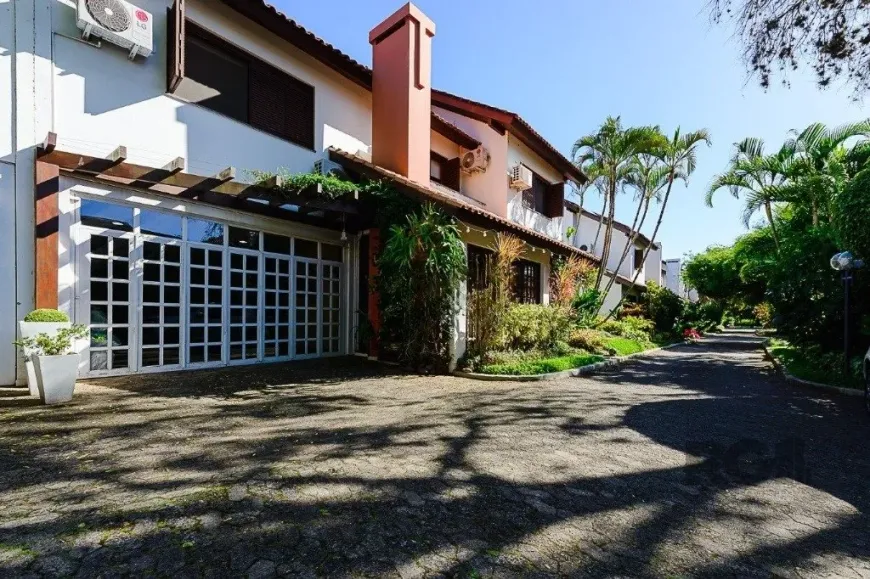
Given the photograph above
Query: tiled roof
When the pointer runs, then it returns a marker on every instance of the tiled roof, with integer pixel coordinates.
(456, 200)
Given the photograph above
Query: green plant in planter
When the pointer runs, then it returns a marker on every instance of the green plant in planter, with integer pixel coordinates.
(58, 345)
(46, 315)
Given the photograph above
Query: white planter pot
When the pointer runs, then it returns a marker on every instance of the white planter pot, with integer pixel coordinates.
(30, 330)
(56, 377)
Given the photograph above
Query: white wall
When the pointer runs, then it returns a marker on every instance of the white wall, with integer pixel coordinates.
(672, 280)
(519, 153)
(7, 194)
(653, 265)
(611, 300)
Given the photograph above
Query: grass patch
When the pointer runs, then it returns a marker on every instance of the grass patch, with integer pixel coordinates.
(541, 366)
(626, 346)
(824, 368)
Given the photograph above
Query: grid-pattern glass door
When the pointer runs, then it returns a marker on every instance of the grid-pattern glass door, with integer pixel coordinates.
(306, 307)
(244, 305)
(276, 307)
(330, 308)
(108, 260)
(205, 305)
(160, 338)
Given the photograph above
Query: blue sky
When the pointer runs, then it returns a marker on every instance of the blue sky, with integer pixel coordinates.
(564, 65)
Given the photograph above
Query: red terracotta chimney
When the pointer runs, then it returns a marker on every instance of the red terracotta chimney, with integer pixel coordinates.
(401, 93)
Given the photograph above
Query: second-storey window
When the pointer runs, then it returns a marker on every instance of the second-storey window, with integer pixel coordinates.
(638, 258)
(205, 69)
(544, 197)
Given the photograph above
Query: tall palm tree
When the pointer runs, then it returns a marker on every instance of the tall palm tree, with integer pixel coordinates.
(758, 177)
(678, 156)
(647, 181)
(819, 148)
(611, 152)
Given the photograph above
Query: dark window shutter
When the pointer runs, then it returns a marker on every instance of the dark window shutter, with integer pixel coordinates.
(450, 174)
(175, 38)
(527, 282)
(555, 201)
(281, 105)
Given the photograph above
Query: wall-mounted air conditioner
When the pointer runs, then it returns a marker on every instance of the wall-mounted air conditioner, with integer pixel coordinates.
(475, 161)
(328, 167)
(520, 177)
(118, 22)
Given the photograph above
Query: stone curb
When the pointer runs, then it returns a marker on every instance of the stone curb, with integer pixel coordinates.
(587, 370)
(795, 380)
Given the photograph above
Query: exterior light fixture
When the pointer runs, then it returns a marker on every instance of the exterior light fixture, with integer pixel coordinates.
(846, 264)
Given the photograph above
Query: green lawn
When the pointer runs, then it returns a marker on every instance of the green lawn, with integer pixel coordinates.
(625, 346)
(543, 366)
(824, 369)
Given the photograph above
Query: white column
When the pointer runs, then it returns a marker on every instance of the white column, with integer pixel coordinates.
(460, 321)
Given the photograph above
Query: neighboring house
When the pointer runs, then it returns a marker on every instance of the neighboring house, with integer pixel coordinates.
(673, 276)
(129, 206)
(634, 272)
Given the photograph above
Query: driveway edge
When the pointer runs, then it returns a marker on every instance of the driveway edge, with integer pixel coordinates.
(574, 373)
(795, 380)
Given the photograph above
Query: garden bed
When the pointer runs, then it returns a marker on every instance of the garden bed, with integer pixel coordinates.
(542, 366)
(822, 370)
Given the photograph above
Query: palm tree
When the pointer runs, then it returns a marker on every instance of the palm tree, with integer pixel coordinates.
(758, 177)
(678, 156)
(821, 150)
(610, 152)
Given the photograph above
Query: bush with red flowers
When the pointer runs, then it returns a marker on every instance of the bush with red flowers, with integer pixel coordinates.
(691, 335)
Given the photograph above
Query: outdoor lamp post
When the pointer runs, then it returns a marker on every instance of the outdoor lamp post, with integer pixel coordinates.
(845, 263)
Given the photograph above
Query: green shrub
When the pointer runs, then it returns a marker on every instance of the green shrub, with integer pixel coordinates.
(541, 366)
(663, 307)
(534, 326)
(851, 214)
(586, 306)
(589, 340)
(638, 329)
(46, 315)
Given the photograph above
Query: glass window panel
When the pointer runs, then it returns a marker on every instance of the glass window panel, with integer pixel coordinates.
(99, 360)
(236, 279)
(151, 272)
(271, 332)
(270, 282)
(99, 337)
(99, 291)
(215, 315)
(237, 261)
(246, 238)
(214, 335)
(236, 316)
(99, 268)
(312, 285)
(284, 349)
(236, 352)
(269, 351)
(251, 280)
(215, 276)
(197, 295)
(284, 283)
(197, 335)
(197, 256)
(157, 223)
(120, 359)
(151, 294)
(276, 243)
(251, 296)
(251, 261)
(312, 270)
(251, 334)
(171, 273)
(215, 259)
(197, 276)
(305, 248)
(151, 251)
(106, 215)
(172, 254)
(150, 336)
(170, 335)
(237, 298)
(236, 334)
(171, 315)
(99, 314)
(120, 292)
(284, 316)
(119, 337)
(120, 270)
(331, 252)
(270, 299)
(197, 316)
(99, 245)
(196, 354)
(251, 351)
(205, 231)
(251, 315)
(170, 356)
(284, 332)
(151, 356)
(120, 314)
(120, 247)
(215, 297)
(214, 353)
(171, 294)
(300, 347)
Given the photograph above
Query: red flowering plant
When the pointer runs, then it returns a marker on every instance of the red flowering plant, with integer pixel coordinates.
(691, 335)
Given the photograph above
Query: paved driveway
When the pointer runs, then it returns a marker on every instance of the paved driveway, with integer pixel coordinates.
(695, 462)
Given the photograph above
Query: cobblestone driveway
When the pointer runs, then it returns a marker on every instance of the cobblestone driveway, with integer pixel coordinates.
(694, 462)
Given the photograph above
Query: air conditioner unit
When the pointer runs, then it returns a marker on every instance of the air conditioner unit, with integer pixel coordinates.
(328, 167)
(520, 177)
(475, 161)
(118, 22)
